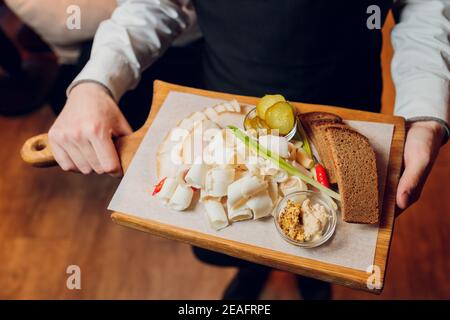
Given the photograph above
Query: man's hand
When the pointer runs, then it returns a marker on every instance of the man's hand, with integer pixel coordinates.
(423, 141)
(81, 137)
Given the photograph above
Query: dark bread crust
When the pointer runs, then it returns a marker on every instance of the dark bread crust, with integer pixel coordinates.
(357, 176)
(323, 146)
(316, 115)
(313, 122)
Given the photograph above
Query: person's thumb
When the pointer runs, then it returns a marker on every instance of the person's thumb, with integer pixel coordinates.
(410, 184)
(122, 127)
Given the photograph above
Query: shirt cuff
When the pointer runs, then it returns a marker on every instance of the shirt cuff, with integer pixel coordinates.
(443, 124)
(424, 96)
(109, 69)
(424, 99)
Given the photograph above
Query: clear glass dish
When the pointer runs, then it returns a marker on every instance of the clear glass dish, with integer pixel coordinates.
(252, 114)
(315, 197)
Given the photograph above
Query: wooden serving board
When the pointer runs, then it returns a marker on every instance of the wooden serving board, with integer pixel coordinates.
(37, 152)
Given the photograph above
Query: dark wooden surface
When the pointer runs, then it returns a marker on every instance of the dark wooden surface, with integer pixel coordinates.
(49, 220)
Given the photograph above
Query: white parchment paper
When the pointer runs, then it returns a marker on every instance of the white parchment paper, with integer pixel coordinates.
(352, 246)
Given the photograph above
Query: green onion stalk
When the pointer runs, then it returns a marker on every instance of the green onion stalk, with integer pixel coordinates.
(304, 138)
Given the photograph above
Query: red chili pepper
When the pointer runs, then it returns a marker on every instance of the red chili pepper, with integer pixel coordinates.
(159, 186)
(321, 175)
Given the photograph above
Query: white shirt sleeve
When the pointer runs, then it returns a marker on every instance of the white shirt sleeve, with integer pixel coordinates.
(421, 62)
(138, 32)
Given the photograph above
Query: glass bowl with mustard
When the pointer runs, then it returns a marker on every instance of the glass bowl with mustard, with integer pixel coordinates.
(305, 218)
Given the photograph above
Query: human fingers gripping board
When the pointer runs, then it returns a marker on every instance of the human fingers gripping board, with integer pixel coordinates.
(228, 207)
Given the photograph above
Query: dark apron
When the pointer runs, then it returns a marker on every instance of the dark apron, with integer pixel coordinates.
(313, 51)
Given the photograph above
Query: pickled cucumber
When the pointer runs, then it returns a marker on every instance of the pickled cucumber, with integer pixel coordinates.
(266, 102)
(261, 124)
(280, 116)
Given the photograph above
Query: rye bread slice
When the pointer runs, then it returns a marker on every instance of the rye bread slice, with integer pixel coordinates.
(312, 121)
(357, 176)
(323, 145)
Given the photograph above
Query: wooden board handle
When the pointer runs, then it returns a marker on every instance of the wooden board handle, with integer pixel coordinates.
(36, 151)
